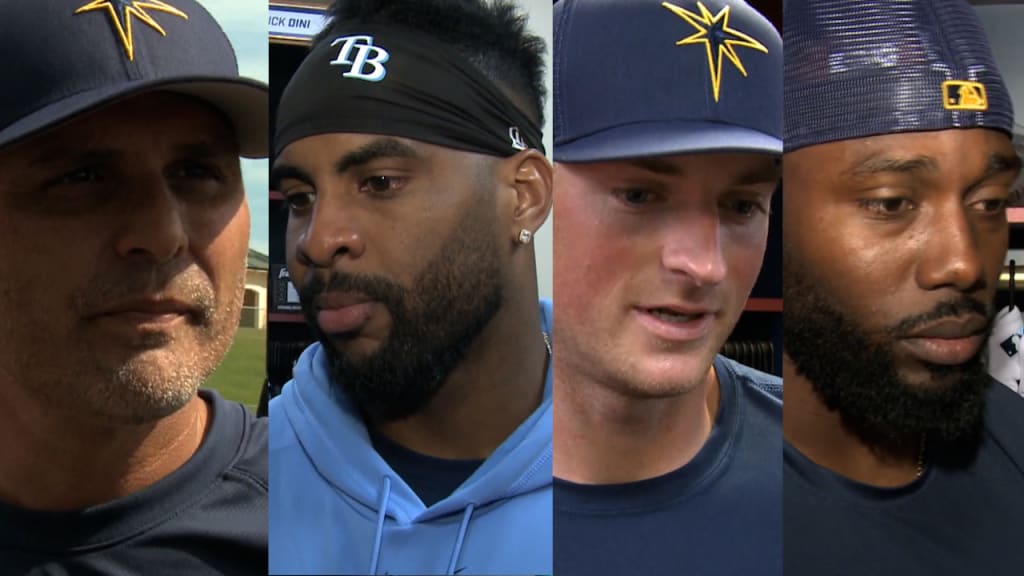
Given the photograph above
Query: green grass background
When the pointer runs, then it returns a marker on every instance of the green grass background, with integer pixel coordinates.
(241, 375)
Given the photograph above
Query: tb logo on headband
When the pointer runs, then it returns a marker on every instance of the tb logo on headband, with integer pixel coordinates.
(366, 54)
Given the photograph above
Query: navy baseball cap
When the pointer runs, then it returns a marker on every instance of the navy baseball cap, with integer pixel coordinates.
(650, 78)
(62, 58)
(870, 67)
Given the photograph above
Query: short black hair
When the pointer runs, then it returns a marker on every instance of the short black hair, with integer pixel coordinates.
(491, 34)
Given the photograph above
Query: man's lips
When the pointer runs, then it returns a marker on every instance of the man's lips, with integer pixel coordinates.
(148, 312)
(675, 321)
(342, 312)
(948, 342)
(681, 309)
(951, 327)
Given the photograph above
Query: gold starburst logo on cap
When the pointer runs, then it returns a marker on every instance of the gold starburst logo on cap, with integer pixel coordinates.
(122, 12)
(718, 38)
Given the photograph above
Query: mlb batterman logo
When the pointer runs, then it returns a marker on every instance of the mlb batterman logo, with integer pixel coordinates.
(364, 60)
(964, 95)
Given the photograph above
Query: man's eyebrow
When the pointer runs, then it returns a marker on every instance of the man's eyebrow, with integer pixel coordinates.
(206, 149)
(764, 174)
(54, 155)
(51, 156)
(999, 163)
(380, 148)
(281, 172)
(656, 165)
(880, 164)
(769, 172)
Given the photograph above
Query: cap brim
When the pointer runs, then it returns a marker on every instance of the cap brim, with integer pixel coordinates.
(245, 102)
(664, 139)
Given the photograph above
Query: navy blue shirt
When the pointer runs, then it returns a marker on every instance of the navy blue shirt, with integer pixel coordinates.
(947, 522)
(207, 517)
(720, 514)
(432, 479)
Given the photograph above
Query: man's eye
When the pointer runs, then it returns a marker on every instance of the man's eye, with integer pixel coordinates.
(381, 185)
(887, 206)
(634, 196)
(197, 172)
(298, 201)
(746, 208)
(80, 176)
(991, 206)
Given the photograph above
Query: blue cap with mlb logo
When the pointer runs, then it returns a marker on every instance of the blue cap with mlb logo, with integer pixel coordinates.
(650, 78)
(62, 58)
(858, 69)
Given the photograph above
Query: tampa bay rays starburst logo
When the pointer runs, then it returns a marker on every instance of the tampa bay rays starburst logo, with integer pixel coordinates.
(123, 12)
(719, 40)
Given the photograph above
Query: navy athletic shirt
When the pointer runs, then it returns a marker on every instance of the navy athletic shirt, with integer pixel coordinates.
(208, 517)
(947, 522)
(432, 479)
(719, 515)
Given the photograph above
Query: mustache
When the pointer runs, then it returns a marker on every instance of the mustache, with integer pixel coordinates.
(947, 309)
(377, 288)
(190, 286)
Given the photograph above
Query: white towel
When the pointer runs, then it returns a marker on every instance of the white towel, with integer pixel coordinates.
(1004, 348)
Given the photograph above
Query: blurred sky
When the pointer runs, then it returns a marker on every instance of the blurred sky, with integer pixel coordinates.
(245, 22)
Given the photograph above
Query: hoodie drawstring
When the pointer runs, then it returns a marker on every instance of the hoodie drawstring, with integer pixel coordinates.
(382, 507)
(462, 536)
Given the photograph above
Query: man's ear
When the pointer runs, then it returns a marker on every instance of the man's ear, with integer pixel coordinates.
(528, 176)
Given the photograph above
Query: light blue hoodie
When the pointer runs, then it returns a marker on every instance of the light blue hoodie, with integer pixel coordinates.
(336, 507)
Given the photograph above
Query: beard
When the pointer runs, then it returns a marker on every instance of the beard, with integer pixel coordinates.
(150, 376)
(854, 372)
(434, 322)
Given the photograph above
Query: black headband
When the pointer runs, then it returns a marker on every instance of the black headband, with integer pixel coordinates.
(397, 82)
